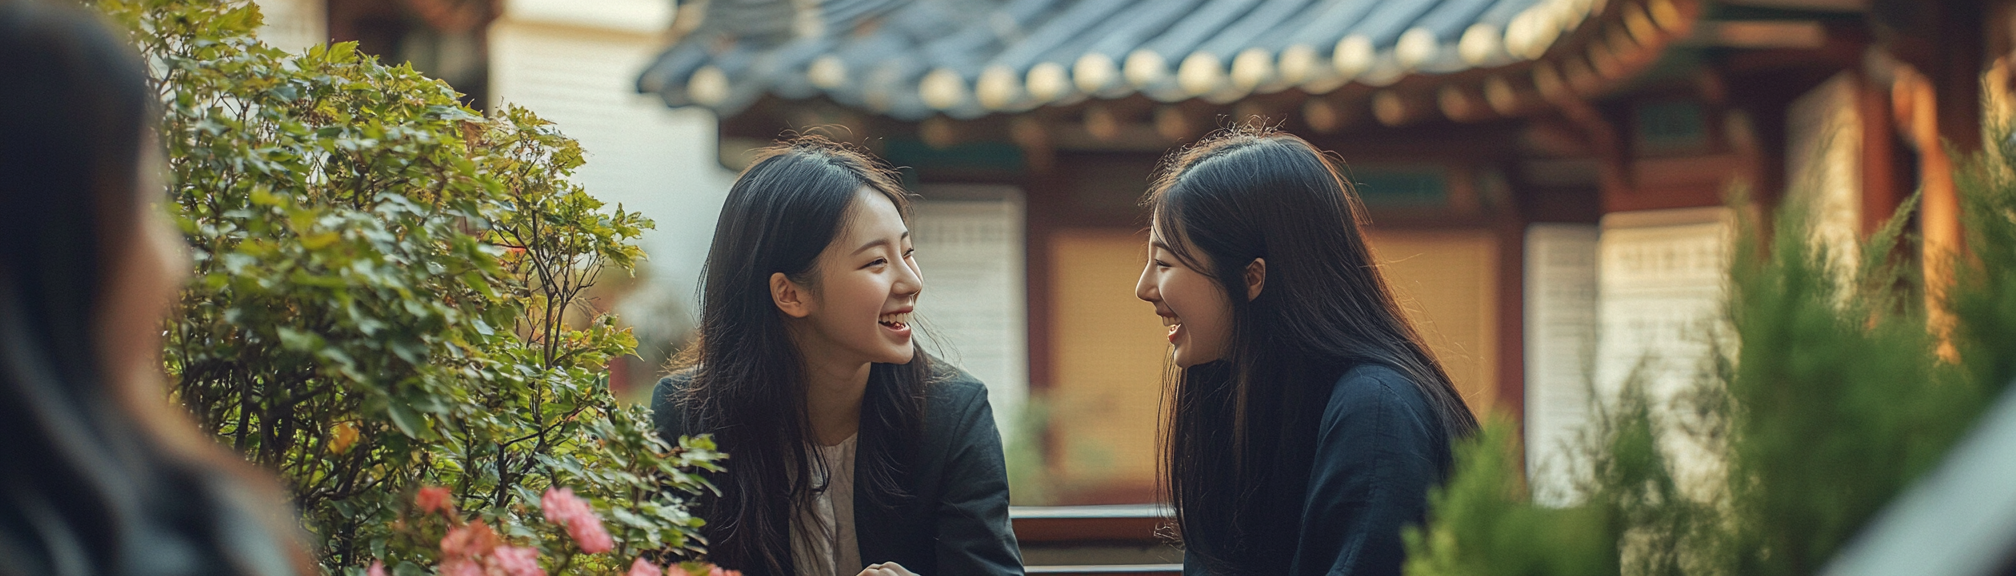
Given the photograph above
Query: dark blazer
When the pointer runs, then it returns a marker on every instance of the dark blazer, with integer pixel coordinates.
(1379, 448)
(958, 524)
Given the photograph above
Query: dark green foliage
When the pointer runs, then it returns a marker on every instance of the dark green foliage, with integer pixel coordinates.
(1483, 524)
(387, 295)
(1633, 517)
(1984, 298)
(1837, 399)
(1828, 400)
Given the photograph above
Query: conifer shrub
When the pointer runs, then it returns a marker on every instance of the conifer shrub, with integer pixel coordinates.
(1828, 397)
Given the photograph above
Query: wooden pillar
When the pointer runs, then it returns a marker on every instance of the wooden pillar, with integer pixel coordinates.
(1936, 100)
(1880, 190)
(1916, 106)
(1510, 226)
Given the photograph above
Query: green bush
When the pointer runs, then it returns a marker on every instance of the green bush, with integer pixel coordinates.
(1634, 517)
(387, 296)
(1837, 398)
(1484, 527)
(1831, 398)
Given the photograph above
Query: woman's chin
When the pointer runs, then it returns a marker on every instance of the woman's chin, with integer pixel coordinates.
(901, 355)
(1184, 358)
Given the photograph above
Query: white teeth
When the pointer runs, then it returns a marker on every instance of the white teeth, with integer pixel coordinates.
(902, 318)
(1170, 321)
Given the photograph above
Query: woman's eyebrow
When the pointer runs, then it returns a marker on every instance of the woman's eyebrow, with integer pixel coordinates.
(879, 242)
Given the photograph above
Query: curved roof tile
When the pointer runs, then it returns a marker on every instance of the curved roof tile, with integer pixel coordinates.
(910, 59)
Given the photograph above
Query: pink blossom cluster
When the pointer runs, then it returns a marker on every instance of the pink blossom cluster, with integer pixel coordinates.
(562, 507)
(474, 549)
(642, 567)
(434, 499)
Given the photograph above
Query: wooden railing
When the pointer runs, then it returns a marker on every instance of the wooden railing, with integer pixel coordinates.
(1096, 540)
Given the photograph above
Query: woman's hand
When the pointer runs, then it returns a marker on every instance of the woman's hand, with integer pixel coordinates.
(885, 569)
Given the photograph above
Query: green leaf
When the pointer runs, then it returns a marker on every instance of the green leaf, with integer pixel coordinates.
(410, 423)
(475, 281)
(319, 240)
(298, 340)
(263, 196)
(341, 52)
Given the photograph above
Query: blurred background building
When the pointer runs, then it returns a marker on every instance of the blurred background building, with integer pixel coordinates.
(1546, 178)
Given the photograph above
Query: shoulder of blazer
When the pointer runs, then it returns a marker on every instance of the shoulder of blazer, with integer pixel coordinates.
(951, 399)
(1373, 383)
(1376, 390)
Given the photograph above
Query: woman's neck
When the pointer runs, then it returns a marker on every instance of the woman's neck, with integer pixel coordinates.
(833, 391)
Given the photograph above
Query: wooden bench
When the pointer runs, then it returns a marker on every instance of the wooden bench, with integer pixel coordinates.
(1096, 540)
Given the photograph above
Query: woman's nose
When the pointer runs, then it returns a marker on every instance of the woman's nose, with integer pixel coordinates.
(1144, 288)
(910, 280)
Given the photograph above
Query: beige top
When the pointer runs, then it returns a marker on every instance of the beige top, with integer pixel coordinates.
(822, 538)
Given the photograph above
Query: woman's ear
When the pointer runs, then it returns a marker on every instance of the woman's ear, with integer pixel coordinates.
(789, 296)
(1256, 278)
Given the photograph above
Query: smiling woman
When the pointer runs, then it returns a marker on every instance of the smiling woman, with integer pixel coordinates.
(1309, 418)
(850, 451)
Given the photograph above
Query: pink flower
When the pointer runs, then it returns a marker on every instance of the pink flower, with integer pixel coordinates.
(705, 570)
(461, 567)
(377, 568)
(590, 535)
(434, 498)
(561, 506)
(515, 561)
(640, 567)
(468, 541)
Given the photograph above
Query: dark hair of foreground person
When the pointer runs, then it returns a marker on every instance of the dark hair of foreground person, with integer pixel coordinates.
(99, 474)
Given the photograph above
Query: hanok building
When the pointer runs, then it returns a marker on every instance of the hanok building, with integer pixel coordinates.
(1539, 172)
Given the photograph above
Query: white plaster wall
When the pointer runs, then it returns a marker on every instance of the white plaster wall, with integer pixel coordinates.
(1823, 169)
(1560, 336)
(1662, 280)
(293, 25)
(576, 64)
(970, 249)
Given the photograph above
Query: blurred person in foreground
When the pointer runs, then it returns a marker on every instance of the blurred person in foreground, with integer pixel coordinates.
(1308, 420)
(99, 474)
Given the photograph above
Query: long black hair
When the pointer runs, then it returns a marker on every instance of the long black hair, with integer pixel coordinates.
(748, 385)
(1241, 432)
(98, 475)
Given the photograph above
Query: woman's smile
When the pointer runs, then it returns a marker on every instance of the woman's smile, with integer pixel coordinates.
(897, 322)
(1198, 334)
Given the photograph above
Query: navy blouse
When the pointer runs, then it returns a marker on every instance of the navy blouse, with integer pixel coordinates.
(1379, 448)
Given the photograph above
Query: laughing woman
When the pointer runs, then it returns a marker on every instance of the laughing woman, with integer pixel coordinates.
(850, 452)
(1309, 420)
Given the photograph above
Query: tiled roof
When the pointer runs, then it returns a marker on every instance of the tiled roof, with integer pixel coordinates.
(911, 59)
